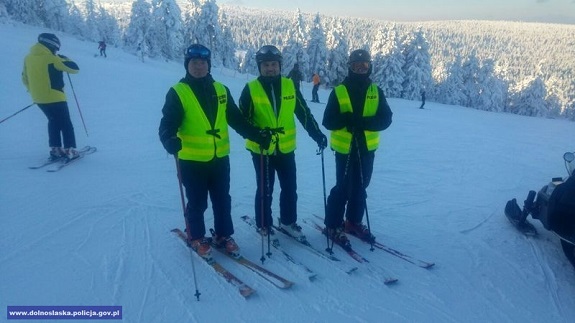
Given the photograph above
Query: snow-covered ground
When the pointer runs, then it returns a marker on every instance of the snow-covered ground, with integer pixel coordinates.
(98, 232)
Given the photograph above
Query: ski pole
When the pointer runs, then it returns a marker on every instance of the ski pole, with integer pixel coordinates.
(359, 160)
(179, 172)
(324, 196)
(15, 113)
(77, 104)
(262, 200)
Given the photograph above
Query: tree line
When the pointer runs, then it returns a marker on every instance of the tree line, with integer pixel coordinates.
(521, 68)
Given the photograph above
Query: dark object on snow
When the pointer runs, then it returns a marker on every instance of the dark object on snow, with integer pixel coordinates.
(554, 207)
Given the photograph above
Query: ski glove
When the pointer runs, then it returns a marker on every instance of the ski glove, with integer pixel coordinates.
(173, 145)
(264, 139)
(321, 140)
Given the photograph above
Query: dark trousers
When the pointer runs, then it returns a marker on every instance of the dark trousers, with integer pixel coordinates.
(59, 124)
(314, 96)
(348, 189)
(284, 166)
(199, 179)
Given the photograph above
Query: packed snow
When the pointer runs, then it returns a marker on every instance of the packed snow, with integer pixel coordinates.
(98, 232)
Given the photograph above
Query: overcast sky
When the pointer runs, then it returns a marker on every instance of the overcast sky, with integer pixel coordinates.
(562, 11)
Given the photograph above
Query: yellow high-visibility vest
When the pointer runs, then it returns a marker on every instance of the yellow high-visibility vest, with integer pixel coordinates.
(265, 117)
(197, 144)
(340, 140)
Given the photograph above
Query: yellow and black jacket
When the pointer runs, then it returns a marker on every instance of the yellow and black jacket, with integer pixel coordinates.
(43, 74)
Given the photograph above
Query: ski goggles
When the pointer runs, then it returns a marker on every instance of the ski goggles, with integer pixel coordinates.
(268, 50)
(198, 51)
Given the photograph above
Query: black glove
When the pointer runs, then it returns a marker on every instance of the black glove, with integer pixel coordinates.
(347, 118)
(62, 56)
(321, 140)
(173, 145)
(264, 139)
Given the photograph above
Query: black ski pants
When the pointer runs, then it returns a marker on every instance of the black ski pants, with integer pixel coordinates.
(199, 179)
(348, 189)
(59, 124)
(314, 95)
(284, 166)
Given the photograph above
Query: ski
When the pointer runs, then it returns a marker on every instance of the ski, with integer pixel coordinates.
(266, 274)
(245, 290)
(54, 161)
(396, 253)
(352, 253)
(311, 275)
(87, 150)
(399, 254)
(46, 163)
(387, 278)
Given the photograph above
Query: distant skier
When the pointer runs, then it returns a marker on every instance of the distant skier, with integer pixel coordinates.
(422, 99)
(102, 48)
(296, 76)
(554, 206)
(314, 95)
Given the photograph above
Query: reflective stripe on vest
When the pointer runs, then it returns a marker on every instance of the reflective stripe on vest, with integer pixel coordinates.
(264, 116)
(340, 140)
(197, 144)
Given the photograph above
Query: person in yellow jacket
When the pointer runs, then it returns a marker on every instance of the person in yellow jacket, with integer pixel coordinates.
(271, 102)
(356, 112)
(194, 127)
(43, 77)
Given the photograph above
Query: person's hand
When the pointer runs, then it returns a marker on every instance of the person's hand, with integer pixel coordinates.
(173, 145)
(348, 120)
(62, 56)
(264, 139)
(321, 141)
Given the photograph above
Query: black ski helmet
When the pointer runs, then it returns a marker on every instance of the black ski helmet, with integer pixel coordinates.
(198, 51)
(50, 41)
(268, 53)
(359, 55)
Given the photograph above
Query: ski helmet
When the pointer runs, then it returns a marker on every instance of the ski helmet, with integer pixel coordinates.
(198, 51)
(268, 53)
(359, 55)
(50, 41)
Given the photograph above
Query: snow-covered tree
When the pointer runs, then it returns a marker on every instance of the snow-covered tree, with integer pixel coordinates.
(470, 71)
(226, 45)
(166, 30)
(388, 62)
(450, 89)
(136, 35)
(316, 48)
(417, 66)
(492, 90)
(337, 56)
(294, 46)
(528, 98)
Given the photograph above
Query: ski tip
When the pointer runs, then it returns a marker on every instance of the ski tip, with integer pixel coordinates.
(429, 265)
(246, 292)
(390, 281)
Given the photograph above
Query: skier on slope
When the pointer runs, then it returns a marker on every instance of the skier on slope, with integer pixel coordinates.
(554, 206)
(43, 77)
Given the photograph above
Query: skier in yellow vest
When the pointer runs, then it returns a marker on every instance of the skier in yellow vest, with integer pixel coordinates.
(355, 113)
(194, 127)
(272, 102)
